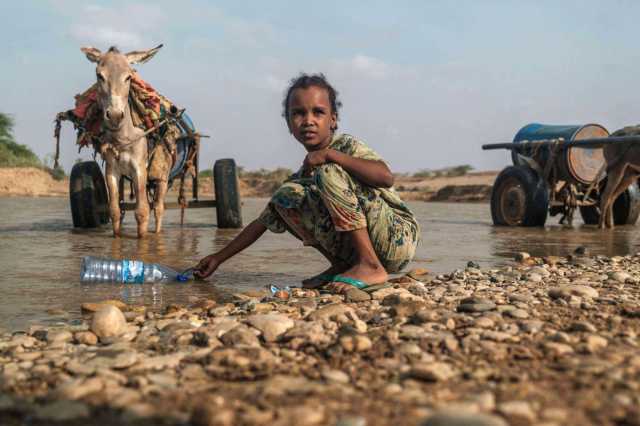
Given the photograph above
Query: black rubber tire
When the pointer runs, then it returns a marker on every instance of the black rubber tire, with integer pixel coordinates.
(228, 207)
(88, 196)
(519, 198)
(626, 208)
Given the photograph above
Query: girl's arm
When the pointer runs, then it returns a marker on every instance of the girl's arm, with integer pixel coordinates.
(370, 172)
(244, 239)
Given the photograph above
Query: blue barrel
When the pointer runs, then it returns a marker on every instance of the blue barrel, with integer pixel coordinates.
(577, 165)
(182, 145)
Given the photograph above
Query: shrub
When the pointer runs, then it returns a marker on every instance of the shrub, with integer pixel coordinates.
(13, 154)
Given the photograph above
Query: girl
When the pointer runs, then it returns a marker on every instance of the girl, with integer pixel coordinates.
(341, 200)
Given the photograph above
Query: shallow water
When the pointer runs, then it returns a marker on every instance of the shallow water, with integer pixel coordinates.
(40, 254)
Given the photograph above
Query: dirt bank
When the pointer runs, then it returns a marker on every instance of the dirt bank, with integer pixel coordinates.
(31, 182)
(548, 341)
(471, 187)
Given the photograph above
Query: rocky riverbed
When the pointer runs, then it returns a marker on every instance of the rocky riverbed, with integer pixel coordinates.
(549, 341)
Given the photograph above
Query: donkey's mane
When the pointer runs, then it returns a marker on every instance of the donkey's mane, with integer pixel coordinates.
(114, 49)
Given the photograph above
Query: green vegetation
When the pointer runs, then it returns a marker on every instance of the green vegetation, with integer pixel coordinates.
(13, 154)
(446, 172)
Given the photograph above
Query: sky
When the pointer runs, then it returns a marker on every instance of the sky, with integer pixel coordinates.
(424, 83)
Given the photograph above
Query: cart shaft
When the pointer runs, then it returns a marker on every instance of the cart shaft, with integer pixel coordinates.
(582, 143)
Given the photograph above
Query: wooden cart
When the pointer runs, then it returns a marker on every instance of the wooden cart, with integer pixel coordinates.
(89, 196)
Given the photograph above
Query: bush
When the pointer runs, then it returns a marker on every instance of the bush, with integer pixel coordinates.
(13, 154)
(446, 172)
(57, 173)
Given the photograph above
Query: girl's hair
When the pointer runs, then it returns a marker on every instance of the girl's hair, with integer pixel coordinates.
(304, 81)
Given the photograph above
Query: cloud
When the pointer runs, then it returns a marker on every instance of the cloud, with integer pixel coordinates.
(361, 66)
(106, 36)
(131, 26)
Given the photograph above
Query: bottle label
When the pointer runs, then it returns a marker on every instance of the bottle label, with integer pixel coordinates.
(132, 271)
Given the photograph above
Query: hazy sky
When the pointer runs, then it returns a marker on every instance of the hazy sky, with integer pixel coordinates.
(424, 83)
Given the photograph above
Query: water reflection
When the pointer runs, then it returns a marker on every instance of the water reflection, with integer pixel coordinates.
(561, 241)
(40, 253)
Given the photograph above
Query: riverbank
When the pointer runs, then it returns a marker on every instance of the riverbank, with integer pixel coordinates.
(472, 187)
(546, 341)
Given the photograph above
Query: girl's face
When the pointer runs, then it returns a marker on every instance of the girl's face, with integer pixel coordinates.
(311, 119)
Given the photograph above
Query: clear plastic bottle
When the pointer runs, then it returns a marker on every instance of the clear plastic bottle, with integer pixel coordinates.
(100, 270)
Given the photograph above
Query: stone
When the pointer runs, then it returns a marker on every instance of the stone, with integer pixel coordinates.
(583, 326)
(461, 418)
(620, 276)
(565, 292)
(517, 313)
(476, 307)
(59, 337)
(432, 371)
(95, 307)
(336, 376)
(355, 343)
(80, 388)
(594, 343)
(240, 336)
(272, 326)
(558, 349)
(85, 338)
(522, 256)
(517, 411)
(329, 312)
(355, 295)
(108, 321)
(114, 359)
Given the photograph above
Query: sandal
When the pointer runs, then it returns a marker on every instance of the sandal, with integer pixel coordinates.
(318, 281)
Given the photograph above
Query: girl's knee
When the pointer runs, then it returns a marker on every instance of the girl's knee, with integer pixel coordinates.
(331, 175)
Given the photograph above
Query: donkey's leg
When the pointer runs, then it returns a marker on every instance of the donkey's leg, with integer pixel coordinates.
(614, 176)
(142, 204)
(629, 177)
(114, 199)
(162, 186)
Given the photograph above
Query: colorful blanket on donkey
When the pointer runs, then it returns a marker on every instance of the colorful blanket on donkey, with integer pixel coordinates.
(148, 108)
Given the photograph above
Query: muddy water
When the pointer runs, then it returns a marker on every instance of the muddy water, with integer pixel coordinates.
(40, 254)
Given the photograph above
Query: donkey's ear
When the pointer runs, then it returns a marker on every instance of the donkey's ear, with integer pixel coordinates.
(92, 53)
(141, 56)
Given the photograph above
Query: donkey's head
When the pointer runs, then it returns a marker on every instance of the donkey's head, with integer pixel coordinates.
(114, 78)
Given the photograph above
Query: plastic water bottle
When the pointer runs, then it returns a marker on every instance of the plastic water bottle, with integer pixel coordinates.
(100, 270)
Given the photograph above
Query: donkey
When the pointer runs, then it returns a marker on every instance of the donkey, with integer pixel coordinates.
(124, 146)
(623, 168)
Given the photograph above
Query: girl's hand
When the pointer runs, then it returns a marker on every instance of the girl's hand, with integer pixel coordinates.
(315, 159)
(206, 266)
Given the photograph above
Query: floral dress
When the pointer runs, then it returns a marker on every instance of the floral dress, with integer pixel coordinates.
(318, 208)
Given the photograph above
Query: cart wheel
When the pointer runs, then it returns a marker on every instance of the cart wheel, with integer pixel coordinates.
(225, 179)
(519, 198)
(626, 208)
(88, 196)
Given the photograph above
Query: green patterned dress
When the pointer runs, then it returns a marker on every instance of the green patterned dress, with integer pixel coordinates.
(320, 207)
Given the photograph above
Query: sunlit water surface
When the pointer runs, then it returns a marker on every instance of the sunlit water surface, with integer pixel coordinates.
(40, 254)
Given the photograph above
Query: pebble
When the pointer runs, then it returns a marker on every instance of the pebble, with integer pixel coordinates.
(432, 371)
(108, 321)
(461, 418)
(517, 411)
(272, 326)
(336, 376)
(86, 338)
